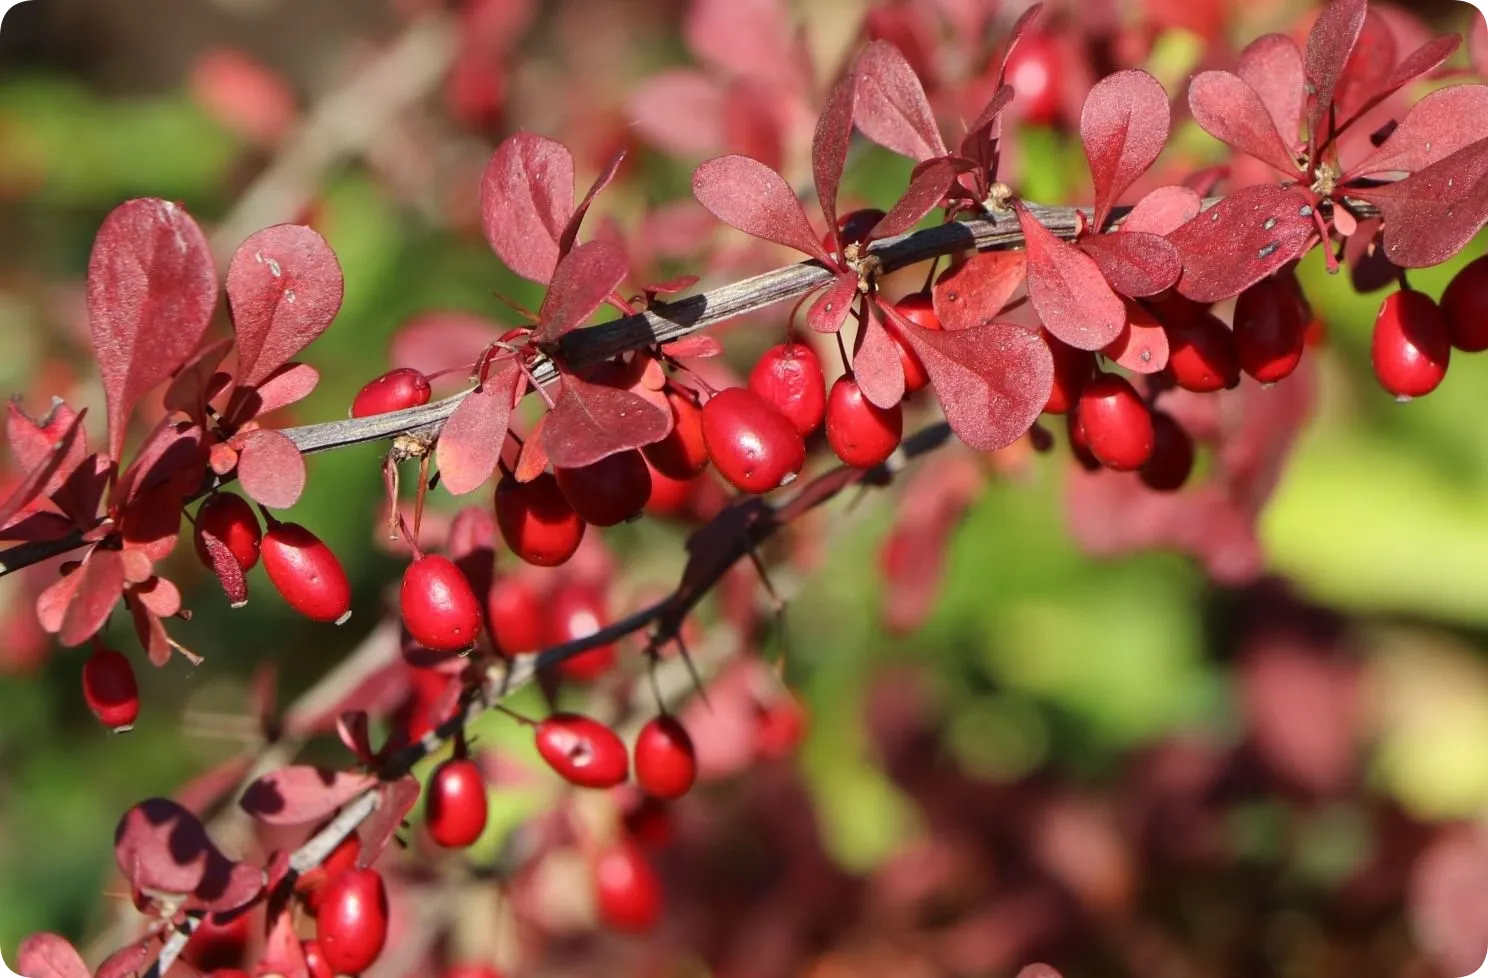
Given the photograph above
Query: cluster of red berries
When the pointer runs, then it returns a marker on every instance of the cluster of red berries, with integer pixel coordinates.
(1414, 337)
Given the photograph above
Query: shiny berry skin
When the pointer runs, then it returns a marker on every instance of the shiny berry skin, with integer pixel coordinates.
(682, 453)
(918, 308)
(1412, 345)
(536, 520)
(455, 803)
(110, 690)
(789, 376)
(1072, 368)
(648, 821)
(352, 924)
(1115, 423)
(315, 961)
(582, 750)
(306, 573)
(1172, 455)
(753, 445)
(627, 891)
(1270, 332)
(610, 491)
(231, 519)
(1034, 72)
(1202, 355)
(1079, 448)
(1465, 304)
(669, 497)
(217, 944)
(853, 227)
(665, 762)
(577, 611)
(440, 610)
(393, 391)
(311, 885)
(515, 615)
(861, 433)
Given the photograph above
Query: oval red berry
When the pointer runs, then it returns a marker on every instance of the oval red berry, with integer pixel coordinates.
(665, 762)
(353, 921)
(231, 519)
(395, 390)
(861, 433)
(610, 491)
(536, 520)
(789, 377)
(753, 445)
(582, 751)
(440, 610)
(305, 571)
(455, 803)
(110, 690)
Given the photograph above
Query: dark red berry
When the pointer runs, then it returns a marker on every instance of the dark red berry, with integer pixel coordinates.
(610, 491)
(669, 497)
(1202, 355)
(232, 973)
(311, 885)
(779, 728)
(110, 690)
(789, 376)
(315, 961)
(582, 751)
(682, 453)
(516, 616)
(440, 610)
(1115, 423)
(627, 890)
(1079, 447)
(577, 611)
(665, 762)
(853, 227)
(536, 520)
(216, 943)
(1465, 304)
(1412, 345)
(648, 821)
(918, 308)
(455, 803)
(231, 519)
(753, 445)
(353, 922)
(861, 433)
(306, 573)
(1033, 70)
(1072, 368)
(1172, 455)
(393, 391)
(1270, 332)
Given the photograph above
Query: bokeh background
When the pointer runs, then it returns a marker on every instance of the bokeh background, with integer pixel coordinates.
(1115, 764)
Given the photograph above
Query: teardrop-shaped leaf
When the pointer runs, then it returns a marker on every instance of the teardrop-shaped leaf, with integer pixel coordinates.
(992, 380)
(582, 281)
(1368, 68)
(877, 365)
(284, 287)
(892, 109)
(527, 198)
(470, 442)
(127, 962)
(571, 230)
(1124, 127)
(78, 605)
(1163, 211)
(978, 143)
(1428, 57)
(300, 793)
(745, 194)
(1068, 290)
(975, 291)
(270, 468)
(1232, 112)
(829, 311)
(1272, 65)
(62, 453)
(926, 189)
(395, 800)
(1135, 263)
(151, 292)
(681, 111)
(199, 381)
(50, 956)
(592, 421)
(1142, 346)
(1433, 213)
(225, 567)
(829, 152)
(161, 848)
(1242, 239)
(1332, 40)
(532, 460)
(1436, 127)
(748, 38)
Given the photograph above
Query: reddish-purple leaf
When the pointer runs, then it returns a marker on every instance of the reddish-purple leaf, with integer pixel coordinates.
(1368, 67)
(1428, 57)
(980, 142)
(471, 440)
(592, 421)
(582, 281)
(31, 440)
(829, 152)
(527, 198)
(1477, 44)
(891, 106)
(976, 290)
(1329, 46)
(1068, 290)
(170, 454)
(47, 469)
(992, 380)
(78, 605)
(756, 123)
(161, 848)
(671, 286)
(284, 287)
(1163, 211)
(1433, 213)
(290, 384)
(749, 39)
(877, 364)
(1436, 127)
(1232, 112)
(50, 956)
(533, 458)
(150, 631)
(1142, 346)
(745, 194)
(301, 793)
(1135, 263)
(225, 566)
(1020, 27)
(681, 111)
(353, 727)
(151, 291)
(829, 311)
(571, 231)
(1124, 126)
(696, 346)
(1272, 65)
(913, 556)
(925, 191)
(80, 495)
(1242, 239)
(396, 800)
(151, 521)
(199, 382)
(127, 962)
(270, 468)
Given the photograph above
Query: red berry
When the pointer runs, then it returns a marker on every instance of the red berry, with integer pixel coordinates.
(861, 433)
(393, 391)
(1079, 447)
(353, 922)
(627, 890)
(440, 610)
(233, 973)
(1116, 425)
(610, 491)
(583, 751)
(1034, 72)
(753, 445)
(1412, 345)
(311, 885)
(306, 573)
(1072, 368)
(669, 497)
(516, 616)
(649, 822)
(1202, 355)
(315, 961)
(1270, 332)
(665, 763)
(682, 453)
(536, 520)
(110, 690)
(578, 611)
(216, 943)
(1172, 455)
(229, 518)
(779, 728)
(918, 308)
(853, 227)
(789, 377)
(455, 805)
(1465, 304)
